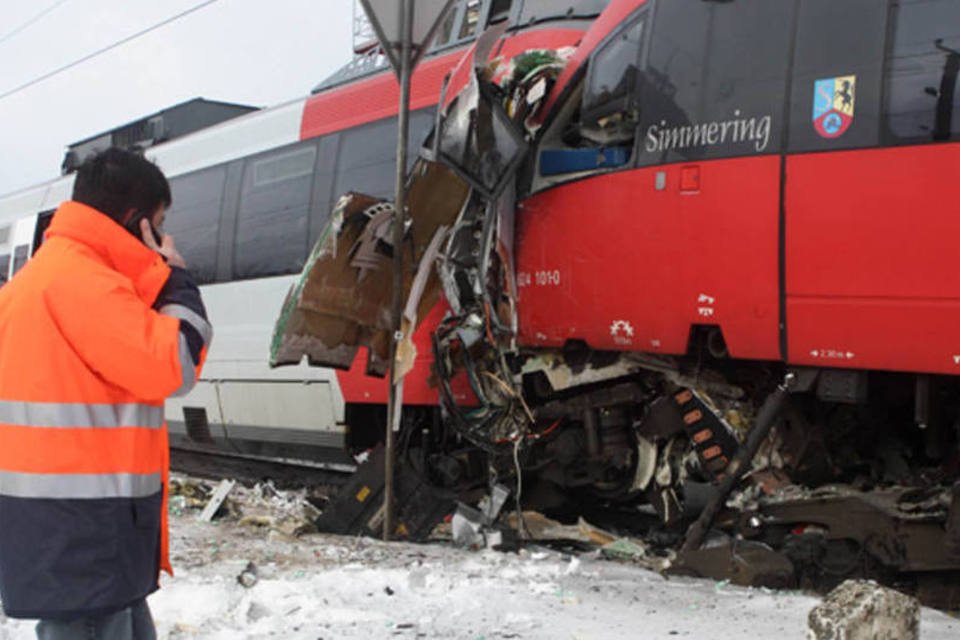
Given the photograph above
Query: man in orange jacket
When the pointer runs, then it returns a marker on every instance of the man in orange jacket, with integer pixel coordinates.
(96, 331)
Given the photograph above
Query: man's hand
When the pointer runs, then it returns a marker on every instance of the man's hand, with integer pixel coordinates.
(165, 249)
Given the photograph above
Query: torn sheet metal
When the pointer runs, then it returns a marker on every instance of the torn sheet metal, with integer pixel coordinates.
(475, 527)
(426, 272)
(467, 185)
(480, 141)
(528, 80)
(328, 334)
(342, 300)
(476, 136)
(506, 209)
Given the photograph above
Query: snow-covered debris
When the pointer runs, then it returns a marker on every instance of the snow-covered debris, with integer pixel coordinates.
(332, 587)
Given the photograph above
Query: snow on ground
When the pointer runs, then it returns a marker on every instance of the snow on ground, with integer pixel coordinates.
(330, 587)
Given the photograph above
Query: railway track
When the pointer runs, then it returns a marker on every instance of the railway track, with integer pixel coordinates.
(284, 473)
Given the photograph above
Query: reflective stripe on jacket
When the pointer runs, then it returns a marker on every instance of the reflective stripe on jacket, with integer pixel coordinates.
(85, 367)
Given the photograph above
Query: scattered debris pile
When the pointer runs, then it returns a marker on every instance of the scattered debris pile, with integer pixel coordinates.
(291, 513)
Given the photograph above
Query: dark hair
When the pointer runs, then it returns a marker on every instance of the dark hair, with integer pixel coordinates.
(115, 181)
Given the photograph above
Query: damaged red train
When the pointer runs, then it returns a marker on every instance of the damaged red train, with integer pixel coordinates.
(620, 250)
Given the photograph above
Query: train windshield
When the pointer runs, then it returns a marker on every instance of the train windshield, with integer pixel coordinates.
(611, 82)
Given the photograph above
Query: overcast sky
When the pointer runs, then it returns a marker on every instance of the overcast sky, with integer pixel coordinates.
(245, 51)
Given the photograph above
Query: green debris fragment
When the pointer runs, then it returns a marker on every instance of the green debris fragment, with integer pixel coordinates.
(623, 549)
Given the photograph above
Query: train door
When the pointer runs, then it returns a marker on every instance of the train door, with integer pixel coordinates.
(870, 205)
(676, 225)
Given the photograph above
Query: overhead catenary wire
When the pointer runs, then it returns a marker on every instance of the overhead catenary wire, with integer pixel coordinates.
(107, 48)
(36, 18)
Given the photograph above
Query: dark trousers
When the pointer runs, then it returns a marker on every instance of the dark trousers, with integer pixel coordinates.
(132, 623)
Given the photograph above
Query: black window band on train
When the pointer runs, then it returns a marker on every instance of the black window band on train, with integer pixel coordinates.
(688, 80)
(271, 228)
(533, 11)
(194, 219)
(366, 160)
(714, 82)
(265, 222)
(611, 84)
(20, 256)
(899, 61)
(842, 41)
(5, 232)
(691, 80)
(922, 101)
(44, 218)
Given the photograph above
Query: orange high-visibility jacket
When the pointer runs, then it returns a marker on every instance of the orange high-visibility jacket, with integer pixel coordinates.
(86, 363)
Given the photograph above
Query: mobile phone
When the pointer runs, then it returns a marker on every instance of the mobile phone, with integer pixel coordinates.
(133, 226)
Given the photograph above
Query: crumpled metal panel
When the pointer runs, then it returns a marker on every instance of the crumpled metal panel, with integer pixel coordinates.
(902, 527)
(461, 212)
(342, 300)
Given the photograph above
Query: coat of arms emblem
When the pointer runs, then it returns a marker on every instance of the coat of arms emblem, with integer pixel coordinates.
(833, 101)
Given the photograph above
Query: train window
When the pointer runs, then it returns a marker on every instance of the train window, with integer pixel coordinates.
(271, 234)
(671, 88)
(421, 124)
(446, 29)
(43, 221)
(367, 158)
(283, 167)
(194, 219)
(922, 98)
(320, 201)
(20, 256)
(609, 113)
(715, 80)
(5, 256)
(471, 18)
(537, 10)
(746, 76)
(836, 86)
(499, 11)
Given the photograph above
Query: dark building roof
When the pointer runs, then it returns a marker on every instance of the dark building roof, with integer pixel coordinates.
(167, 124)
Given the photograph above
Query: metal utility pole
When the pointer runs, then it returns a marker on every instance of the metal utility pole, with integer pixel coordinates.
(404, 35)
(395, 398)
